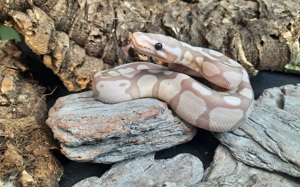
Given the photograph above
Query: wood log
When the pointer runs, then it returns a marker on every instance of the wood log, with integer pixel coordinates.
(78, 38)
(91, 131)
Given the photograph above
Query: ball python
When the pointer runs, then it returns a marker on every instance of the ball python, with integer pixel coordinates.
(223, 107)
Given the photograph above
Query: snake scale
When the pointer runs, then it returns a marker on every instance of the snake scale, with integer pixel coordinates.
(224, 107)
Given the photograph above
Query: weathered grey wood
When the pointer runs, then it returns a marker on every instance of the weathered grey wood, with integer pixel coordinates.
(225, 170)
(270, 138)
(182, 170)
(89, 130)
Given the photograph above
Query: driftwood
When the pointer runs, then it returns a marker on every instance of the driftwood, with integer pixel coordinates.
(89, 130)
(225, 170)
(269, 138)
(182, 170)
(78, 38)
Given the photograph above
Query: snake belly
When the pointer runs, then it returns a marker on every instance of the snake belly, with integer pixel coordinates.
(218, 110)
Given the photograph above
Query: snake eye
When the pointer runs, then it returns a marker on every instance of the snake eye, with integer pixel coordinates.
(158, 46)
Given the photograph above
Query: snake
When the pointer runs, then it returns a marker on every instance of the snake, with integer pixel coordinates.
(222, 106)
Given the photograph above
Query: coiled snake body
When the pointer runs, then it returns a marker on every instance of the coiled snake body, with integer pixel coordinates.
(222, 109)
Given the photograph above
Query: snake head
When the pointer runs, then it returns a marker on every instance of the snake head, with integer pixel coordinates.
(160, 47)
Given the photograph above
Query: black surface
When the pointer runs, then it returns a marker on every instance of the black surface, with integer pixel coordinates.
(202, 146)
(267, 79)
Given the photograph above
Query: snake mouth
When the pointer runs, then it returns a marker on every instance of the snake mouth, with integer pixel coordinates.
(138, 44)
(134, 41)
(141, 49)
(144, 43)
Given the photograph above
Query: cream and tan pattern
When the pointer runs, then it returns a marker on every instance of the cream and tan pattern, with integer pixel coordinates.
(221, 109)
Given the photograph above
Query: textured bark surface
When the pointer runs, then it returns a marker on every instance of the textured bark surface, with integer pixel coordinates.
(89, 130)
(18, 98)
(269, 138)
(78, 38)
(25, 140)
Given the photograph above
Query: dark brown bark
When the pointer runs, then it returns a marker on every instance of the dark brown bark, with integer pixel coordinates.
(25, 140)
(77, 39)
